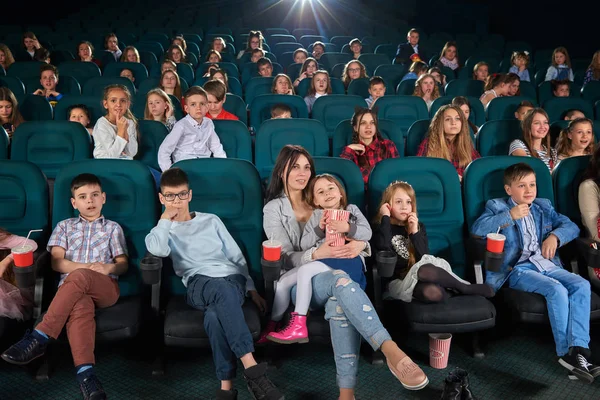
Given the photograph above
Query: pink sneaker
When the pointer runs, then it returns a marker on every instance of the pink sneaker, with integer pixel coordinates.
(271, 327)
(294, 332)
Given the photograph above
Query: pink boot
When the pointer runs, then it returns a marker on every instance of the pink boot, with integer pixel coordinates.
(294, 332)
(271, 327)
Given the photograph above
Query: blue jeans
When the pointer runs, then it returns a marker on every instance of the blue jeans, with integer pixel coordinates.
(221, 300)
(568, 299)
(351, 315)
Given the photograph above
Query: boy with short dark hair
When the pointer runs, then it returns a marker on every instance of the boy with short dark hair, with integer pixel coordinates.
(411, 50)
(561, 88)
(534, 231)
(215, 273)
(376, 90)
(216, 93)
(265, 67)
(281, 110)
(90, 253)
(257, 54)
(193, 136)
(524, 107)
(49, 80)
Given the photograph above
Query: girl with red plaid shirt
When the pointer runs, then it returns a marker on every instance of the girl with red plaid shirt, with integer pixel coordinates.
(449, 138)
(368, 147)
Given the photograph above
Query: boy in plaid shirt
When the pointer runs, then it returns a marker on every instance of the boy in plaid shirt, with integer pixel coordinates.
(90, 253)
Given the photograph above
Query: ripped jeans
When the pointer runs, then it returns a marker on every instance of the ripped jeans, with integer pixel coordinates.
(351, 315)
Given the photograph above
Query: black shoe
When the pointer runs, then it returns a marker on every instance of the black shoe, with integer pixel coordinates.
(464, 380)
(92, 389)
(594, 370)
(26, 350)
(452, 387)
(576, 362)
(259, 385)
(227, 394)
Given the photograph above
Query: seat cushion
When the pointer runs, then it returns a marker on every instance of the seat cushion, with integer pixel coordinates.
(184, 325)
(457, 315)
(531, 307)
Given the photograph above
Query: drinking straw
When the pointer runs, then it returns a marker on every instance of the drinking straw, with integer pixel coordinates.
(498, 231)
(27, 238)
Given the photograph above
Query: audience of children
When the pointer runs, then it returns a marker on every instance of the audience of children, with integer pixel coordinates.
(376, 90)
(130, 54)
(464, 105)
(495, 86)
(410, 51)
(560, 68)
(560, 87)
(265, 67)
(353, 70)
(449, 57)
(160, 108)
(427, 89)
(309, 67)
(320, 85)
(81, 113)
(514, 84)
(282, 84)
(481, 71)
(536, 139)
(85, 53)
(519, 63)
(318, 50)
(10, 116)
(111, 44)
(439, 77)
(577, 139)
(255, 41)
(355, 47)
(49, 80)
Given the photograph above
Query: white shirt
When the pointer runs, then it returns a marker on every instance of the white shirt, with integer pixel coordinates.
(107, 144)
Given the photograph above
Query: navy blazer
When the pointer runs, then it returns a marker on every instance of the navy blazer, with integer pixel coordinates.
(405, 50)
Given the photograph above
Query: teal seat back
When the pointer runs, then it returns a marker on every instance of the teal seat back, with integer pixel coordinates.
(152, 46)
(231, 189)
(93, 103)
(148, 84)
(371, 61)
(95, 86)
(464, 87)
(25, 69)
(35, 108)
(416, 133)
(566, 178)
(260, 107)
(477, 115)
(439, 202)
(82, 71)
(235, 138)
(4, 142)
(257, 86)
(556, 107)
(342, 136)
(51, 144)
(492, 60)
(404, 110)
(591, 92)
(293, 70)
(334, 108)
(235, 105)
(545, 91)
(348, 174)
(391, 73)
(406, 87)
(185, 71)
(274, 134)
(360, 87)
(483, 180)
(159, 37)
(527, 90)
(131, 201)
(24, 200)
(230, 69)
(152, 134)
(277, 38)
(505, 107)
(329, 60)
(139, 70)
(15, 85)
(494, 137)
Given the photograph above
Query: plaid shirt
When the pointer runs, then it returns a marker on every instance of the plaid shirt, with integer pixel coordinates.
(372, 155)
(100, 241)
(422, 152)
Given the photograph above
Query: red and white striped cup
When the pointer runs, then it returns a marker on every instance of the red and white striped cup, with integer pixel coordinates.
(336, 215)
(439, 349)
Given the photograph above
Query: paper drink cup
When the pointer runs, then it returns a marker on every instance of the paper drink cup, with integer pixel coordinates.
(22, 255)
(495, 242)
(271, 250)
(336, 215)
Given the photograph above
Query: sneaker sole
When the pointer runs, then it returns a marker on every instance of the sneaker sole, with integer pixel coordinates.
(256, 398)
(581, 375)
(303, 340)
(10, 361)
(415, 387)
(575, 378)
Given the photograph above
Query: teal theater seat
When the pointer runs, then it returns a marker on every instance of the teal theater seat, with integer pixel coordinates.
(348, 174)
(82, 71)
(390, 130)
(494, 137)
(152, 134)
(505, 107)
(93, 103)
(334, 108)
(35, 108)
(235, 138)
(260, 107)
(557, 106)
(404, 110)
(95, 86)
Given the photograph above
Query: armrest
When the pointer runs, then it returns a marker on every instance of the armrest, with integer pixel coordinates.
(482, 258)
(40, 263)
(384, 266)
(591, 255)
(271, 271)
(151, 271)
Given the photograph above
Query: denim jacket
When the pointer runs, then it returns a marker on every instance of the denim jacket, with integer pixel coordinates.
(547, 221)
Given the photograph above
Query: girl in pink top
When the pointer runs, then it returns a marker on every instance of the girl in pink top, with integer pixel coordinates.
(15, 303)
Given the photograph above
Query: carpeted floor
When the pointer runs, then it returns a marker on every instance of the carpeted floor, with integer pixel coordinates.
(519, 366)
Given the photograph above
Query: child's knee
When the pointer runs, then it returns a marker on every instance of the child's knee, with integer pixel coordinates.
(342, 278)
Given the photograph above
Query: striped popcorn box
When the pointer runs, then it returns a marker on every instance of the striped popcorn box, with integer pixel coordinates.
(337, 215)
(439, 349)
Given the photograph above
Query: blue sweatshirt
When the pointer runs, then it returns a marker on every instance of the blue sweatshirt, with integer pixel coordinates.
(199, 246)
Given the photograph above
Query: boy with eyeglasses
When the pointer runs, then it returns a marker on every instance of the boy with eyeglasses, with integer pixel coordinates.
(214, 271)
(193, 136)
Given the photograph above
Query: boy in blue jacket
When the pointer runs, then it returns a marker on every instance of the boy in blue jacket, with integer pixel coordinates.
(534, 230)
(215, 273)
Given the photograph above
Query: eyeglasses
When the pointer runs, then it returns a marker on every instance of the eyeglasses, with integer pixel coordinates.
(171, 196)
(354, 69)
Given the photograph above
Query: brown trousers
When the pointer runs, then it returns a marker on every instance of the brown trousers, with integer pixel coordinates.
(75, 305)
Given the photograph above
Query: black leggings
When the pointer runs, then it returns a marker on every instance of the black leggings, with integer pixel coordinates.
(433, 282)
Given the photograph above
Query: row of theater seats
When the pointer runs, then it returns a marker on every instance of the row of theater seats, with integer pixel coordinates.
(54, 144)
(232, 189)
